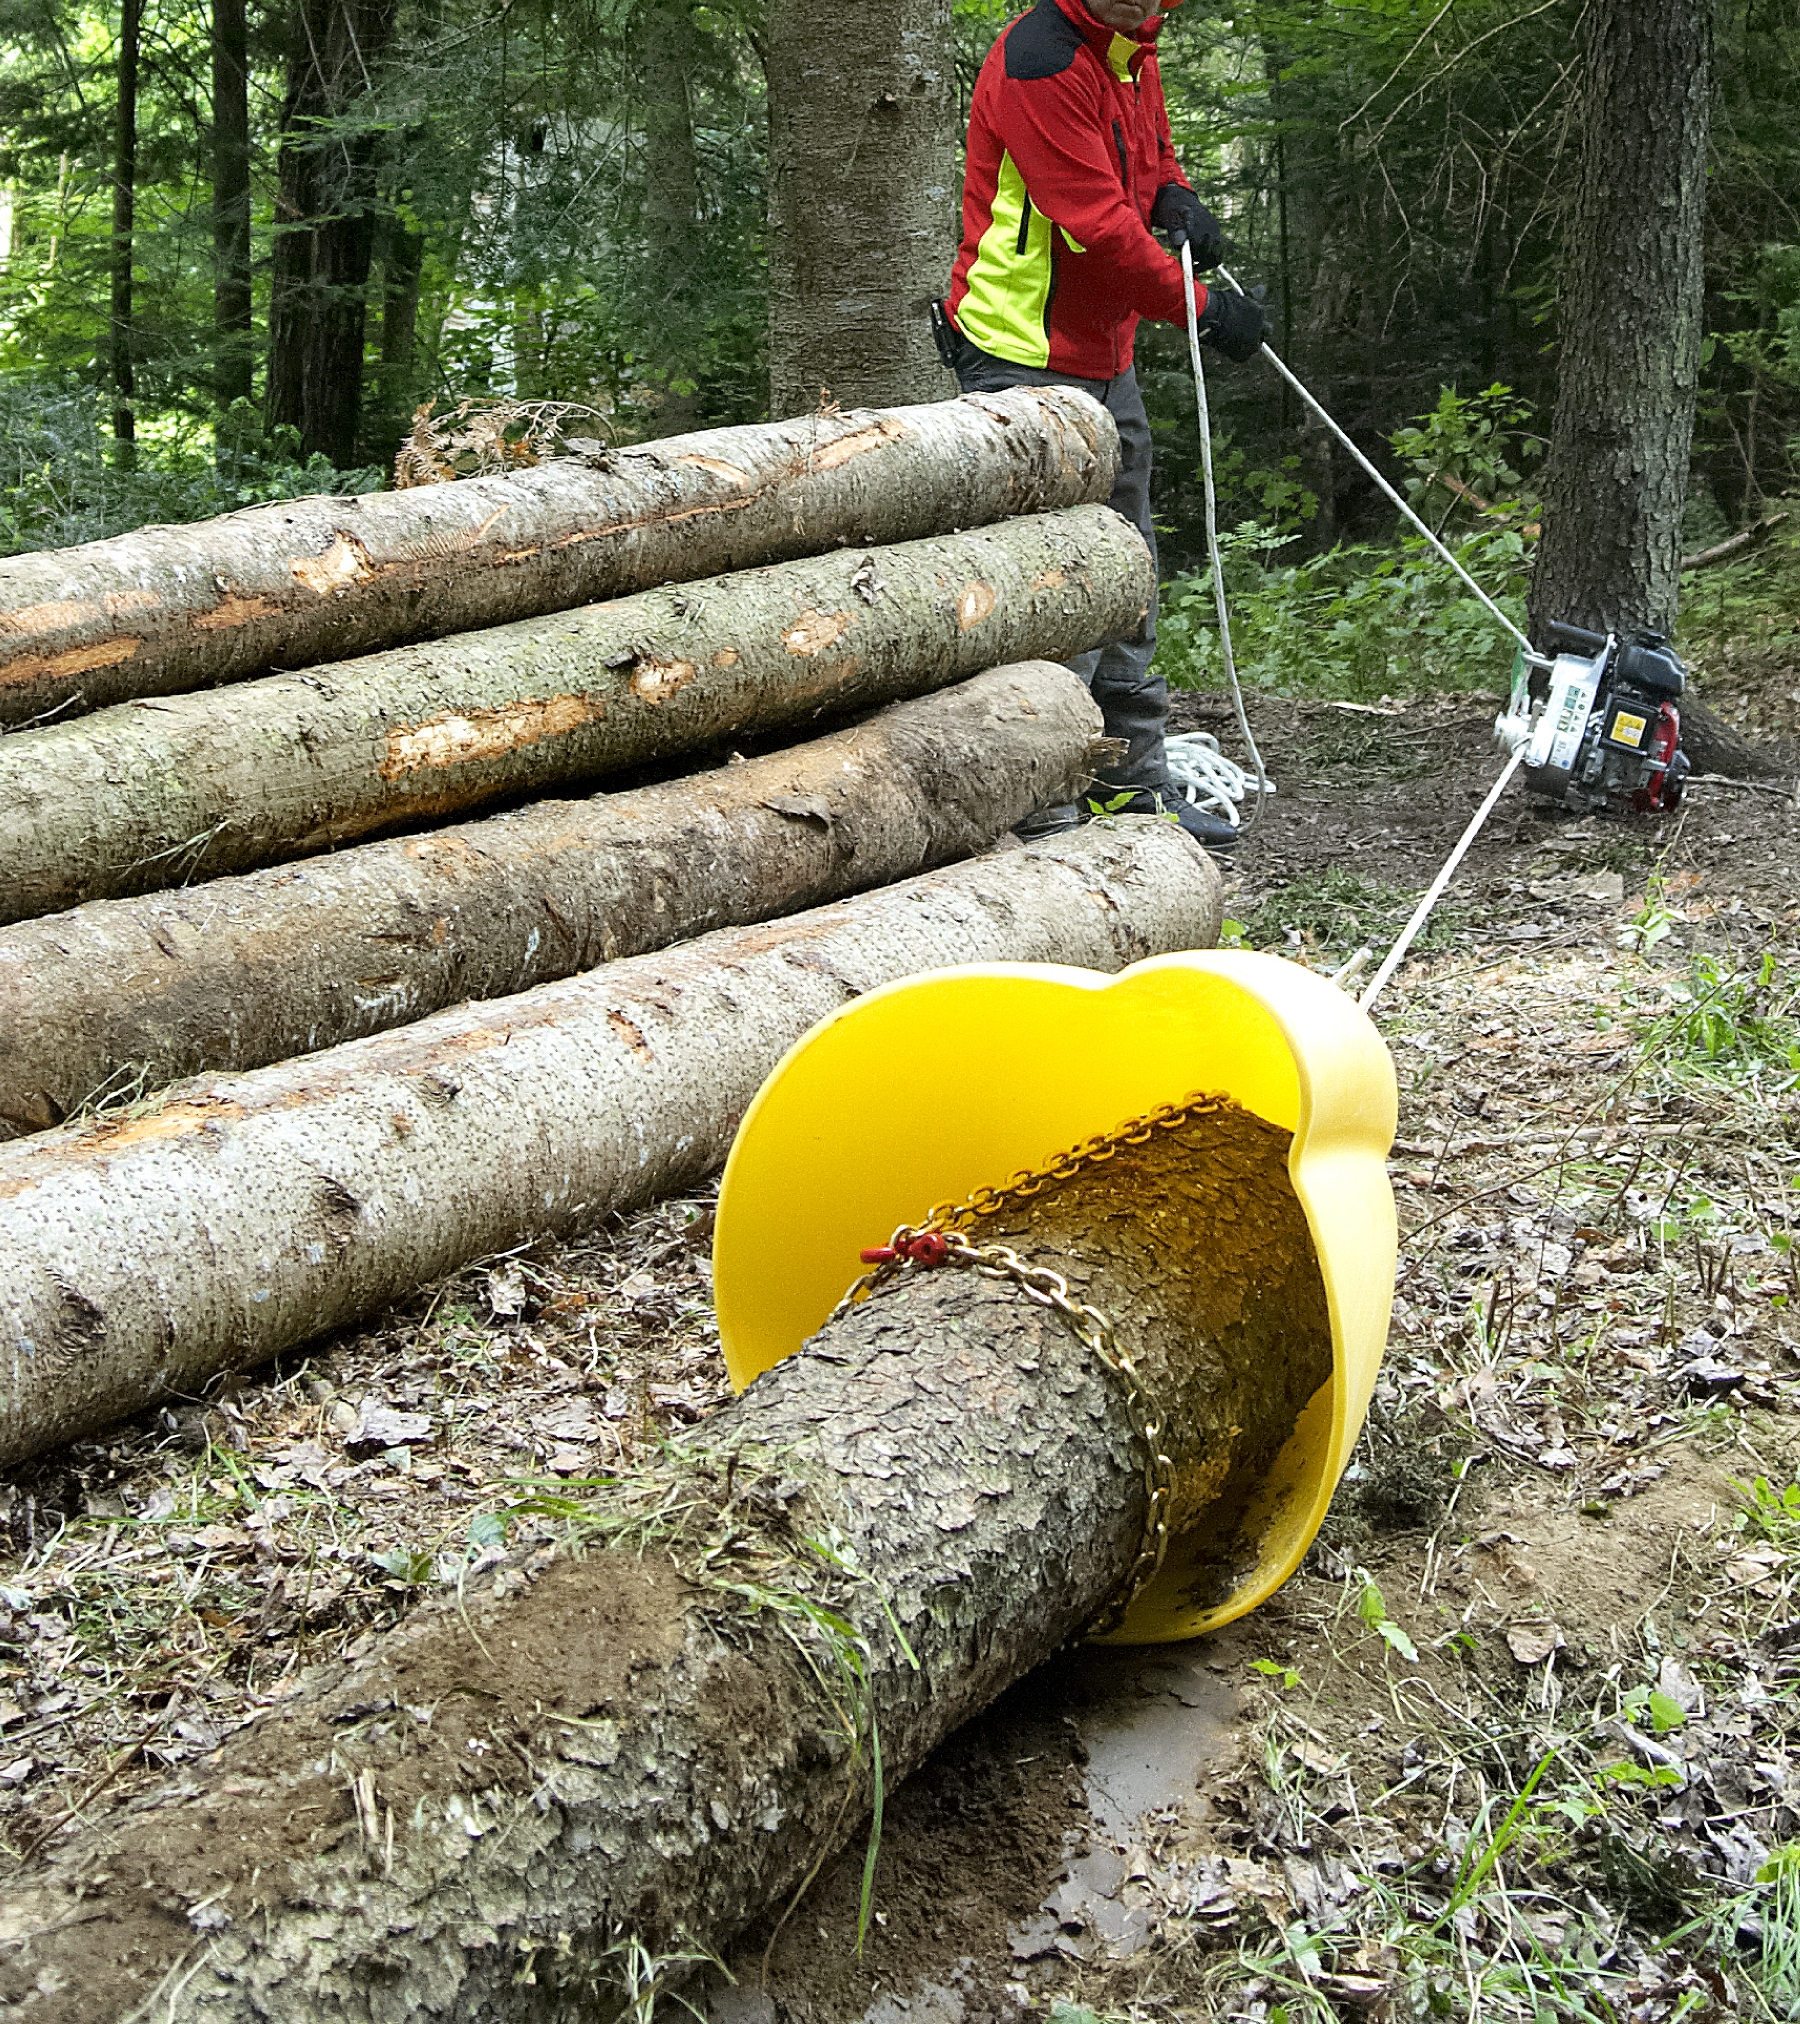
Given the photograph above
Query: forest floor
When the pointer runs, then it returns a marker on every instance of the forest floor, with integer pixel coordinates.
(1518, 1740)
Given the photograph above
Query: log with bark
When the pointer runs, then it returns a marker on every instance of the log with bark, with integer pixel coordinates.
(238, 1217)
(158, 793)
(631, 1744)
(172, 608)
(121, 996)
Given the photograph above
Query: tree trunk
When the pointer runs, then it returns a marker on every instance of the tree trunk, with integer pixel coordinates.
(324, 225)
(173, 608)
(652, 1747)
(152, 795)
(246, 1215)
(234, 363)
(127, 995)
(667, 46)
(862, 202)
(1628, 367)
(1628, 322)
(402, 267)
(124, 222)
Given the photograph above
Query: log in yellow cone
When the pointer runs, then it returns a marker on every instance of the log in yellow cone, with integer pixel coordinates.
(927, 1089)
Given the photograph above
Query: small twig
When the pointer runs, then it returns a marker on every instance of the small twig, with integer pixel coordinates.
(93, 1792)
(1727, 780)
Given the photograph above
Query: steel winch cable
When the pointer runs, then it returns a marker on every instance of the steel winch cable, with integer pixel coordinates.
(1435, 891)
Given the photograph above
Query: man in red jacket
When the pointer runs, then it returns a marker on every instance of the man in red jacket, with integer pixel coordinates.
(1069, 167)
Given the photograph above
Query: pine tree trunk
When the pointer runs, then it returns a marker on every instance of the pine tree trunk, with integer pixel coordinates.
(667, 48)
(862, 202)
(172, 608)
(120, 330)
(234, 363)
(647, 1746)
(325, 222)
(402, 269)
(1628, 367)
(127, 995)
(1628, 320)
(151, 795)
(244, 1216)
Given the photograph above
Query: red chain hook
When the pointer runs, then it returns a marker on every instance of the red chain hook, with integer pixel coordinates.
(926, 1248)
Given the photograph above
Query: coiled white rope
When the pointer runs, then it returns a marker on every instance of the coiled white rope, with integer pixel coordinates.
(1207, 778)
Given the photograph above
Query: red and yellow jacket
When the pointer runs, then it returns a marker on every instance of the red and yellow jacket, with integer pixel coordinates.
(1068, 146)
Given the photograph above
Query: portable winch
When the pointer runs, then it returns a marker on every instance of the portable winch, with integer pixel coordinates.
(1598, 724)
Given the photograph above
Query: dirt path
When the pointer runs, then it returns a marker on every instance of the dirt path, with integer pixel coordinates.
(1593, 1346)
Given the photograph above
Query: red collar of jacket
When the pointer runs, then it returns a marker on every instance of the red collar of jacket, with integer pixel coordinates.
(1099, 38)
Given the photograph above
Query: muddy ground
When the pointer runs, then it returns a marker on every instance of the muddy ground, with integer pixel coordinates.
(1517, 1740)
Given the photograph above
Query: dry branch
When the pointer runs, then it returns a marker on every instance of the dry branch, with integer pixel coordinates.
(155, 794)
(173, 608)
(241, 1216)
(656, 1746)
(120, 996)
(1734, 544)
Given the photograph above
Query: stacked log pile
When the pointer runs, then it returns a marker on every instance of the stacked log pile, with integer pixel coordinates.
(276, 1045)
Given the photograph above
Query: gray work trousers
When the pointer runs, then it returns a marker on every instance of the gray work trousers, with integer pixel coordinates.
(1133, 702)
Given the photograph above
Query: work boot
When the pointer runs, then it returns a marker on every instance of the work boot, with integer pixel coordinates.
(1218, 835)
(1046, 822)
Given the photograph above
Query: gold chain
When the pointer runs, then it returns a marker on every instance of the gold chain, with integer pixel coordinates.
(941, 1239)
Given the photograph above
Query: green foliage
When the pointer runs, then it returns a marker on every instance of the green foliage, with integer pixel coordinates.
(61, 480)
(1361, 621)
(1335, 909)
(1371, 1606)
(1729, 1023)
(1474, 441)
(1284, 1676)
(1771, 1514)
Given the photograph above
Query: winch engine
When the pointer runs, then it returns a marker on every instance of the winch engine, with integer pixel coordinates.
(1599, 723)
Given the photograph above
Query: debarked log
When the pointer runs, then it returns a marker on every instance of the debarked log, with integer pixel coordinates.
(155, 794)
(649, 1733)
(171, 608)
(240, 1216)
(122, 996)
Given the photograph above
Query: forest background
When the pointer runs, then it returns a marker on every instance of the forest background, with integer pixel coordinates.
(566, 201)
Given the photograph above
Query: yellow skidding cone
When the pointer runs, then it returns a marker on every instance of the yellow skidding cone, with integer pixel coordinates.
(927, 1089)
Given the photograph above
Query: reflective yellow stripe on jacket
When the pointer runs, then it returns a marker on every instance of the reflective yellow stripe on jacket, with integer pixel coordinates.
(1007, 308)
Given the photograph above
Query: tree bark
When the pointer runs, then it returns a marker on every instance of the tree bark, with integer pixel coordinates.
(324, 225)
(234, 365)
(667, 42)
(862, 202)
(402, 268)
(1628, 363)
(1628, 323)
(644, 1748)
(174, 608)
(120, 331)
(152, 795)
(126, 995)
(243, 1216)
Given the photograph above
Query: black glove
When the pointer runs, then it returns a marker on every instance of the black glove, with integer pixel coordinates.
(1187, 221)
(1233, 323)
